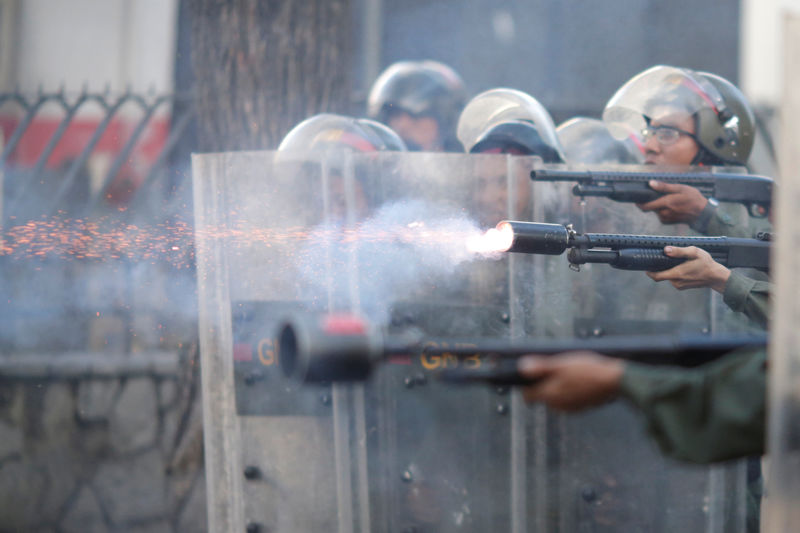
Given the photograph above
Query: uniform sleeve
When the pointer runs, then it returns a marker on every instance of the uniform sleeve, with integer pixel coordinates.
(748, 296)
(710, 413)
(719, 223)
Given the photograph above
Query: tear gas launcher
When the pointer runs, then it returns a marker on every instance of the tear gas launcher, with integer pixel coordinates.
(626, 252)
(754, 192)
(327, 348)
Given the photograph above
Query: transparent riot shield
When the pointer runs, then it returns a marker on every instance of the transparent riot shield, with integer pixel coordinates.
(383, 236)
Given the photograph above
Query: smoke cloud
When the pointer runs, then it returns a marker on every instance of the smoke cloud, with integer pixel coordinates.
(406, 247)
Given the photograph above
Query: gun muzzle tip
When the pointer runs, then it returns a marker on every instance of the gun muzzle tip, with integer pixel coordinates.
(334, 347)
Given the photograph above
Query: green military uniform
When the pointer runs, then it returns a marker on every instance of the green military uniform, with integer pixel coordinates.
(715, 221)
(706, 414)
(711, 413)
(720, 223)
(743, 294)
(749, 296)
(695, 414)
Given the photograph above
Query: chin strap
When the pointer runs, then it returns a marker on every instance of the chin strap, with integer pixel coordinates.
(704, 158)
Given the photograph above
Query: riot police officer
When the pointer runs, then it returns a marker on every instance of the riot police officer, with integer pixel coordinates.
(684, 117)
(420, 100)
(328, 137)
(506, 120)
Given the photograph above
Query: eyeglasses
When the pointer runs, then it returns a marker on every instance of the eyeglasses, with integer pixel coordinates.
(665, 134)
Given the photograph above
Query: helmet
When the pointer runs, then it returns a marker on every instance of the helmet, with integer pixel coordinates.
(390, 139)
(587, 141)
(732, 132)
(509, 119)
(420, 88)
(327, 141)
(517, 137)
(724, 122)
(328, 131)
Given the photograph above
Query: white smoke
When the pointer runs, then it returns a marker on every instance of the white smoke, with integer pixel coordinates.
(406, 247)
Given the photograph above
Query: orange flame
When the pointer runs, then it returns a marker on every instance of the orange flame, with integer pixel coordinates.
(495, 240)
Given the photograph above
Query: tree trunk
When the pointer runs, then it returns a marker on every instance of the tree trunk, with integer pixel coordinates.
(263, 66)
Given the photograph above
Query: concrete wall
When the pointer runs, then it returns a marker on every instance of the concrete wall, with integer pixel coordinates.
(95, 448)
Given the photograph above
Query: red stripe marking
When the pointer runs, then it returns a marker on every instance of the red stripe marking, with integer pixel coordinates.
(343, 325)
(242, 352)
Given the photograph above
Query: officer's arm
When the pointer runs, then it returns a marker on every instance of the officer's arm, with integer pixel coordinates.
(748, 296)
(706, 414)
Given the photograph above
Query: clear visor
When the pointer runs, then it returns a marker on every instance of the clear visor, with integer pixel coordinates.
(328, 131)
(587, 141)
(496, 106)
(659, 94)
(389, 139)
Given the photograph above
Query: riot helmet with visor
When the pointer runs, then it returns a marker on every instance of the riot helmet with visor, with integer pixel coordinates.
(419, 89)
(328, 131)
(659, 101)
(512, 119)
(587, 141)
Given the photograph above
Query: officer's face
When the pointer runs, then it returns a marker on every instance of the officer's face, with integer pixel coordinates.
(492, 189)
(420, 133)
(340, 199)
(679, 152)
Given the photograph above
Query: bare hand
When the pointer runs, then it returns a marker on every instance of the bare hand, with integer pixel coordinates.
(680, 203)
(571, 381)
(699, 270)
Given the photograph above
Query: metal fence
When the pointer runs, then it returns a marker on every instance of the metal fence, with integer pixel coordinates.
(29, 108)
(95, 220)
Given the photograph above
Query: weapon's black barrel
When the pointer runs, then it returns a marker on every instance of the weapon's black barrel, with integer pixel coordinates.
(630, 252)
(748, 189)
(690, 178)
(322, 350)
(649, 259)
(687, 351)
(729, 251)
(623, 240)
(561, 175)
(536, 238)
(638, 192)
(645, 347)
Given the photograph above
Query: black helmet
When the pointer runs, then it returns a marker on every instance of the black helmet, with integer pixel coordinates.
(587, 141)
(420, 88)
(724, 122)
(517, 137)
(509, 120)
(328, 131)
